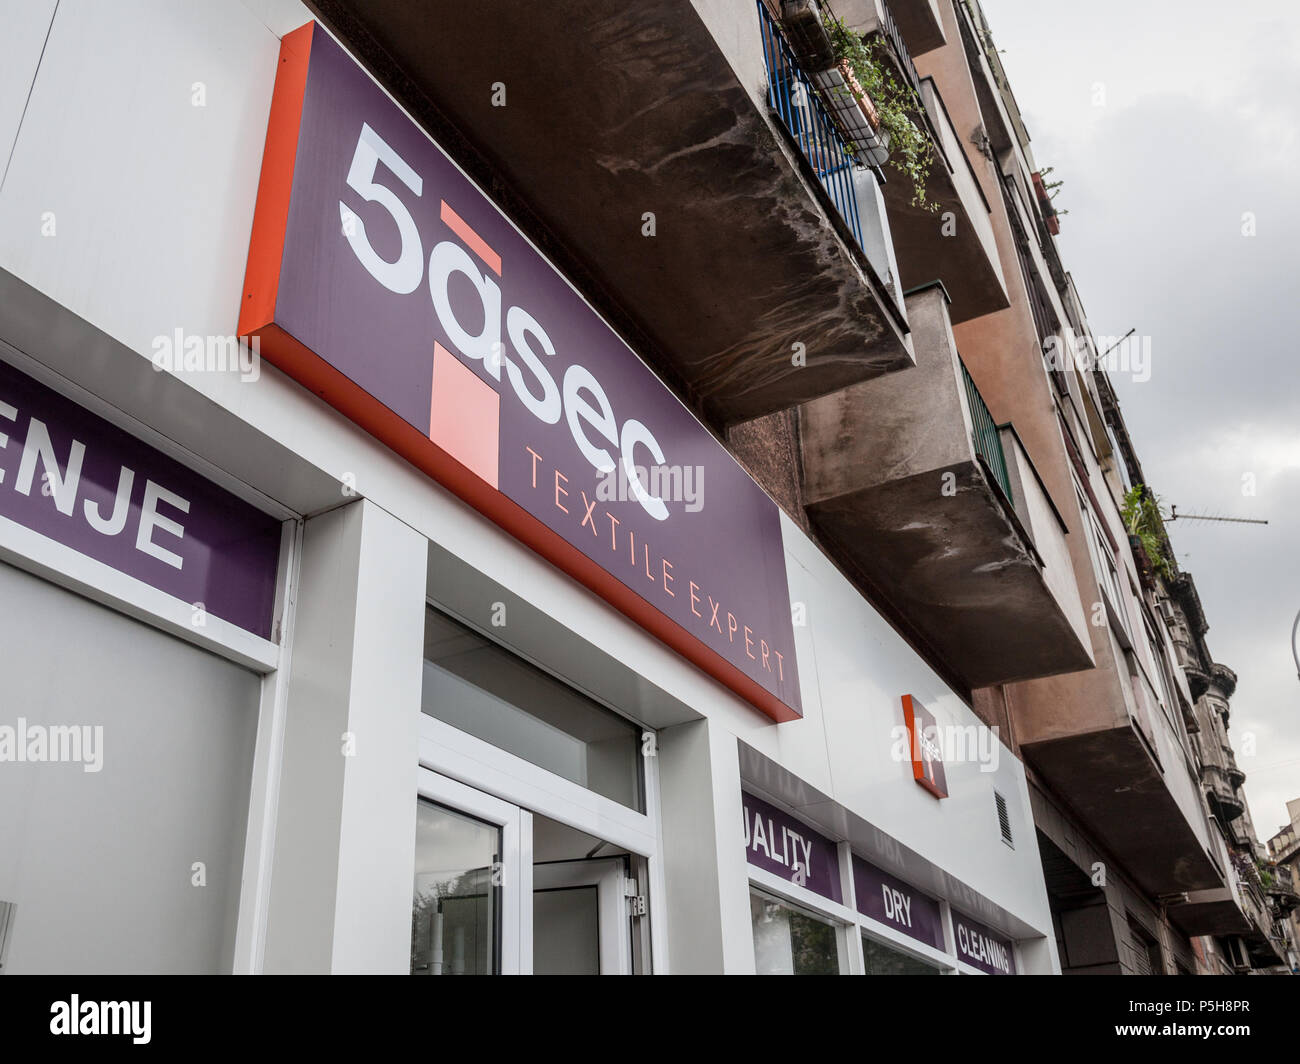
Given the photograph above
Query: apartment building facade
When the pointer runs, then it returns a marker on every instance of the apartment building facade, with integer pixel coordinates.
(636, 533)
(1284, 875)
(1127, 759)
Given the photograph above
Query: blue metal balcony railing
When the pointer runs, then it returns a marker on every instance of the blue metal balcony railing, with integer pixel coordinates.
(984, 434)
(792, 96)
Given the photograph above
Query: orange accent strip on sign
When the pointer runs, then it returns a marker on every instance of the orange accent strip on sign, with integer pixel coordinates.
(271, 215)
(473, 241)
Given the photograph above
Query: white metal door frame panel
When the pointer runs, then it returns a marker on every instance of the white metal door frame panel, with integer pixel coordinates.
(607, 876)
(516, 873)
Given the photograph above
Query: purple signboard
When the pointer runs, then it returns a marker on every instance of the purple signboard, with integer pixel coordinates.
(782, 845)
(78, 480)
(383, 279)
(900, 905)
(981, 947)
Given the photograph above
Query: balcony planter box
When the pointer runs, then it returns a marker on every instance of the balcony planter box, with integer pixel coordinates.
(850, 107)
(1146, 570)
(855, 114)
(860, 96)
(1050, 217)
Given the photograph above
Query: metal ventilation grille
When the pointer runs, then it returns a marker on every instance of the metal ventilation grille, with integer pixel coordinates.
(1004, 820)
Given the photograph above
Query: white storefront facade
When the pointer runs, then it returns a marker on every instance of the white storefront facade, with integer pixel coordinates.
(347, 699)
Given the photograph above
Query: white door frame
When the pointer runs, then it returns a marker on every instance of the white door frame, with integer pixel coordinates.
(481, 768)
(516, 859)
(607, 876)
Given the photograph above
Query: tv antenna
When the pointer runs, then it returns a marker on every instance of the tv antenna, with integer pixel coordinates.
(1174, 515)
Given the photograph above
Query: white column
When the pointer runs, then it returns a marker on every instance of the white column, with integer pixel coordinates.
(344, 849)
(849, 891)
(1037, 956)
(705, 874)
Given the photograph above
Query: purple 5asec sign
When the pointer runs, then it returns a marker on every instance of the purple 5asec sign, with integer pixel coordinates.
(383, 279)
(80, 481)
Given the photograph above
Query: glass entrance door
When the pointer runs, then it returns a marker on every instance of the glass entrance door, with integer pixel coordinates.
(495, 891)
(469, 882)
(456, 908)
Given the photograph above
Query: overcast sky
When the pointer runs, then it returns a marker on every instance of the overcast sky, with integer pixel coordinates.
(1168, 121)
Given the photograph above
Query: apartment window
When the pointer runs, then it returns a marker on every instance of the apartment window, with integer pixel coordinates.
(1121, 467)
(1045, 321)
(1109, 574)
(1146, 950)
(1160, 678)
(1107, 570)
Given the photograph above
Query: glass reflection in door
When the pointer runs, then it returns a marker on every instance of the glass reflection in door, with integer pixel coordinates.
(455, 926)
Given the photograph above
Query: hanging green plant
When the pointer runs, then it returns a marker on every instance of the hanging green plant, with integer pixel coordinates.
(911, 150)
(1144, 518)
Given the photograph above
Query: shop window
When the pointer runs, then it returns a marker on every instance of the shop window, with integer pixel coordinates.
(455, 926)
(792, 941)
(885, 960)
(481, 688)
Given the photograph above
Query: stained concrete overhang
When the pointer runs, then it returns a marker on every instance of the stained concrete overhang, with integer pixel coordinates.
(1219, 790)
(1115, 787)
(918, 21)
(1210, 912)
(959, 570)
(955, 241)
(616, 110)
(894, 488)
(920, 24)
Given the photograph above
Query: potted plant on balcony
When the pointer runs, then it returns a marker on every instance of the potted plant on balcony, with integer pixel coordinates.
(887, 104)
(807, 29)
(1046, 191)
(1144, 520)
